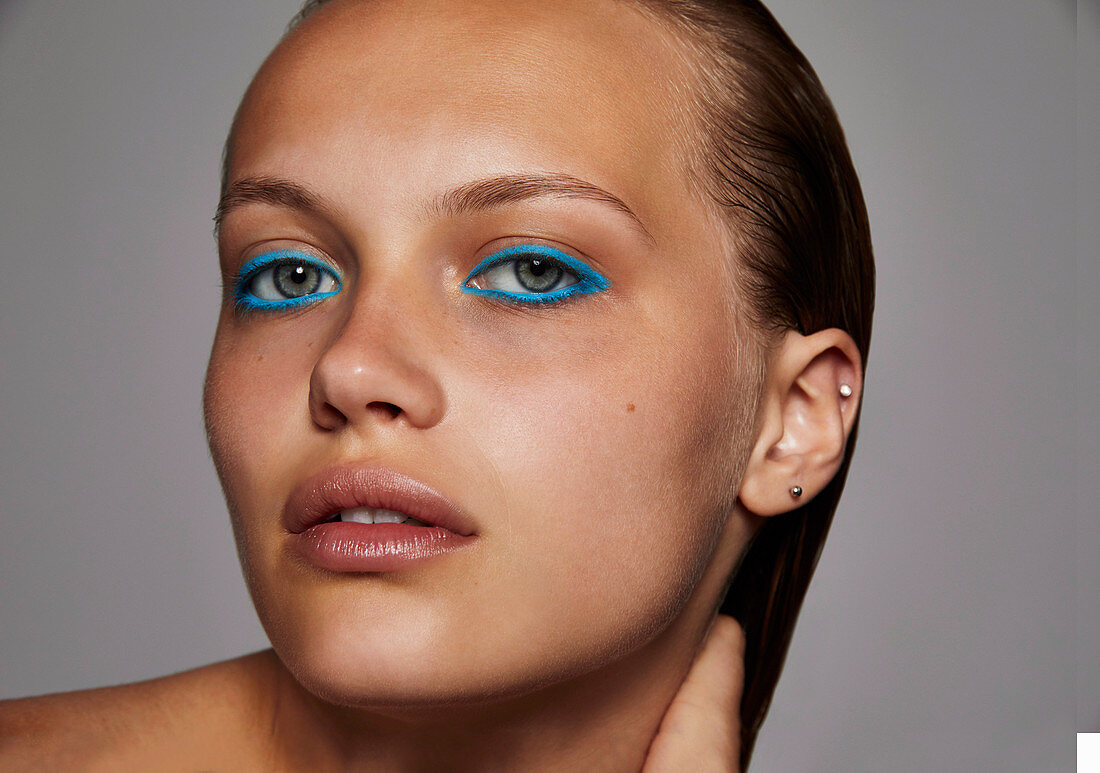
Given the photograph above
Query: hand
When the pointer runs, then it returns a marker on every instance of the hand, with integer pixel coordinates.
(701, 731)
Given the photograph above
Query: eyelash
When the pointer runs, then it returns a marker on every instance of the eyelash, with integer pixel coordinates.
(588, 280)
(246, 300)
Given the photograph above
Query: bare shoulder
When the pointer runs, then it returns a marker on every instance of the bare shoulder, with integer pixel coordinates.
(204, 711)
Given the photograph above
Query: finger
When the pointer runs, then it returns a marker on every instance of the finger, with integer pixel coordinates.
(701, 729)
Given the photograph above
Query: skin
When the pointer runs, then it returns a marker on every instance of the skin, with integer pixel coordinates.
(222, 717)
(599, 444)
(570, 571)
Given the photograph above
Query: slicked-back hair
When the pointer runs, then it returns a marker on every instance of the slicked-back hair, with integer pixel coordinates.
(776, 167)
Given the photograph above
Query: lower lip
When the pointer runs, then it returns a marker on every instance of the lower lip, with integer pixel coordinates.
(379, 547)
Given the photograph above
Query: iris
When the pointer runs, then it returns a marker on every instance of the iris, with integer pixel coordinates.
(533, 273)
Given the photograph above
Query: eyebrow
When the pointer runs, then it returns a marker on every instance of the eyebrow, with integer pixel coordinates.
(476, 196)
(265, 190)
(492, 192)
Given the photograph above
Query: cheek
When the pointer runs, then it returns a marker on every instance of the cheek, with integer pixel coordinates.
(255, 401)
(621, 468)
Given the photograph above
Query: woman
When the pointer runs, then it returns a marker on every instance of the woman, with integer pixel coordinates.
(534, 320)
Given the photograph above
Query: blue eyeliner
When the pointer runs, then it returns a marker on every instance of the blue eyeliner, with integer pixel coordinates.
(588, 280)
(245, 299)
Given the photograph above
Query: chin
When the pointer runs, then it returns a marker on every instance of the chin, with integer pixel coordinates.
(383, 653)
(392, 654)
(369, 674)
(363, 668)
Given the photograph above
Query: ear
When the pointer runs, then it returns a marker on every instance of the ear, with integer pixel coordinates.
(807, 413)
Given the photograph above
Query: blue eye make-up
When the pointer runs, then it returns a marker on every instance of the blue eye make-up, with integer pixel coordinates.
(283, 280)
(533, 273)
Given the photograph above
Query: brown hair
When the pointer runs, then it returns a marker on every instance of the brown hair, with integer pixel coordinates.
(779, 171)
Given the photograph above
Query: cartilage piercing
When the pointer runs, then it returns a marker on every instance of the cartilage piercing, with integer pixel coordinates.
(845, 390)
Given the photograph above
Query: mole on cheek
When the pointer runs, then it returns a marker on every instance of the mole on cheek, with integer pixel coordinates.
(630, 407)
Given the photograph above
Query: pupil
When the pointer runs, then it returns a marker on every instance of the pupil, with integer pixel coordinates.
(299, 275)
(537, 268)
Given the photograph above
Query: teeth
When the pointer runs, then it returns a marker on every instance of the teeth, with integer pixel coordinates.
(375, 515)
(388, 516)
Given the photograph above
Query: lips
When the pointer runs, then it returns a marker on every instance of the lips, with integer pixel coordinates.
(327, 493)
(354, 544)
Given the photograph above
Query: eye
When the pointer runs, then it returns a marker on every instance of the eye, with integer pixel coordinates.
(282, 280)
(533, 273)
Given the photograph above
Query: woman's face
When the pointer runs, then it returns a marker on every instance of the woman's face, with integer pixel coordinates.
(583, 400)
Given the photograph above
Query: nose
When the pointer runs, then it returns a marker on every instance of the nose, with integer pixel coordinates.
(379, 368)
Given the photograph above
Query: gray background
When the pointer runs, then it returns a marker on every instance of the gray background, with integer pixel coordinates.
(939, 633)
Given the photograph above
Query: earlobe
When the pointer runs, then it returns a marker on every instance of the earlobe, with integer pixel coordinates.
(810, 401)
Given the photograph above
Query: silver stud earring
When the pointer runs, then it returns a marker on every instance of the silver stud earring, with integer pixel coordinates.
(845, 390)
(796, 491)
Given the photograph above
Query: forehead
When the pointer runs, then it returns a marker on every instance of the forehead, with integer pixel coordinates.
(591, 88)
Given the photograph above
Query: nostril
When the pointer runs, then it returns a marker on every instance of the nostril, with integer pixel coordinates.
(330, 417)
(389, 409)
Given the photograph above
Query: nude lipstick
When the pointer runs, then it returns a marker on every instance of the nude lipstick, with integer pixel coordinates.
(372, 519)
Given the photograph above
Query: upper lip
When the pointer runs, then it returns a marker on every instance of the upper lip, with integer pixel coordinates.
(324, 494)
